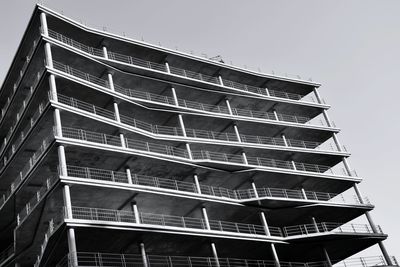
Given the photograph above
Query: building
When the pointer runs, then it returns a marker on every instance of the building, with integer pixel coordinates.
(115, 152)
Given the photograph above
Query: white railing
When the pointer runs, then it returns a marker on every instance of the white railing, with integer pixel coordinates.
(198, 156)
(174, 184)
(178, 71)
(245, 113)
(97, 259)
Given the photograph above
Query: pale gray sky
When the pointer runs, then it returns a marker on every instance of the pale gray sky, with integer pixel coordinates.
(351, 47)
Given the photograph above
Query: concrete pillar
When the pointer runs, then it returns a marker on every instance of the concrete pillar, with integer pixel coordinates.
(143, 254)
(284, 139)
(317, 96)
(347, 166)
(221, 82)
(327, 119)
(235, 128)
(129, 176)
(337, 143)
(276, 115)
(244, 157)
(72, 246)
(358, 193)
(215, 254)
(174, 96)
(53, 88)
(264, 223)
(167, 67)
(228, 105)
(275, 255)
(205, 218)
(303, 192)
(315, 224)
(57, 123)
(105, 52)
(328, 260)
(48, 55)
(385, 254)
(182, 125)
(116, 112)
(122, 138)
(253, 185)
(136, 212)
(62, 162)
(67, 202)
(43, 24)
(189, 151)
(197, 184)
(110, 81)
(268, 233)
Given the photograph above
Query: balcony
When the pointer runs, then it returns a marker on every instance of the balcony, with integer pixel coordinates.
(248, 89)
(202, 156)
(192, 105)
(240, 195)
(96, 259)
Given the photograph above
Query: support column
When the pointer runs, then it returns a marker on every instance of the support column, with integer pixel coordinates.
(328, 260)
(221, 82)
(136, 212)
(57, 123)
(215, 254)
(53, 88)
(228, 105)
(129, 176)
(182, 125)
(327, 119)
(43, 24)
(116, 112)
(347, 166)
(317, 96)
(244, 157)
(197, 184)
(284, 139)
(303, 192)
(253, 185)
(337, 143)
(105, 52)
(167, 67)
(235, 128)
(122, 139)
(67, 202)
(174, 96)
(205, 218)
(110, 81)
(143, 254)
(276, 115)
(315, 224)
(48, 55)
(72, 246)
(268, 233)
(62, 162)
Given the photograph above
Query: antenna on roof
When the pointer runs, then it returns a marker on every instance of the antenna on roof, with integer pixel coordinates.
(217, 58)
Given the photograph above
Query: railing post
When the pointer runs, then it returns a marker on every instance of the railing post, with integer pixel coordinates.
(143, 254)
(215, 255)
(197, 184)
(205, 218)
(72, 246)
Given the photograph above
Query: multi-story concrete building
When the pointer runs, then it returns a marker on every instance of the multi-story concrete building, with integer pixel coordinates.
(115, 152)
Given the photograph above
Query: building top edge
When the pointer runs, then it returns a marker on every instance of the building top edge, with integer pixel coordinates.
(171, 51)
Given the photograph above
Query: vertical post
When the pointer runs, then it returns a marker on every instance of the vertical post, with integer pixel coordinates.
(167, 67)
(43, 24)
(136, 212)
(268, 233)
(116, 112)
(317, 96)
(221, 82)
(337, 143)
(174, 96)
(253, 185)
(67, 202)
(197, 184)
(284, 139)
(327, 119)
(189, 151)
(315, 224)
(129, 176)
(53, 88)
(228, 105)
(347, 166)
(244, 157)
(205, 218)
(328, 259)
(215, 255)
(110, 81)
(105, 52)
(72, 246)
(303, 192)
(48, 55)
(235, 128)
(358, 193)
(57, 123)
(62, 161)
(182, 125)
(276, 115)
(143, 254)
(122, 139)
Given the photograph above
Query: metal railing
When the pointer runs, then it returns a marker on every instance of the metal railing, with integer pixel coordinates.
(306, 229)
(7, 253)
(174, 184)
(178, 71)
(200, 155)
(97, 259)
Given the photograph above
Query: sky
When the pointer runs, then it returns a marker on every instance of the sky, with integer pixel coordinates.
(351, 47)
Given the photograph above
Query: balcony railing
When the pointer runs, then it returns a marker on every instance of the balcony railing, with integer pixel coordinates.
(198, 156)
(96, 214)
(173, 184)
(190, 104)
(178, 71)
(191, 133)
(7, 253)
(96, 259)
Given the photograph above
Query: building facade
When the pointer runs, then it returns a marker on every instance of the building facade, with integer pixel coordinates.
(115, 152)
